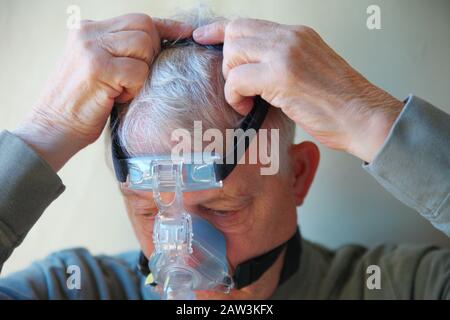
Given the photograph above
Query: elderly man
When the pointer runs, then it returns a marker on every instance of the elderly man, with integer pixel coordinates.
(404, 145)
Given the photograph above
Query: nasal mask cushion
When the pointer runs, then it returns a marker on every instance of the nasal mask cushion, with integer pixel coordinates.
(189, 254)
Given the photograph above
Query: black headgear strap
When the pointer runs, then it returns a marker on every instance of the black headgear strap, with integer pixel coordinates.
(250, 271)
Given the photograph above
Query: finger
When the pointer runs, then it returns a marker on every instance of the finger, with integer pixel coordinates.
(241, 51)
(245, 81)
(172, 30)
(219, 32)
(126, 73)
(213, 33)
(133, 21)
(125, 96)
(132, 44)
(244, 106)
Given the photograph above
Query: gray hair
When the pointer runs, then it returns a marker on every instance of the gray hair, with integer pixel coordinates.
(185, 84)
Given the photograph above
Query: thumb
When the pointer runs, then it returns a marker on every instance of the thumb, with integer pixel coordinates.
(171, 29)
(213, 33)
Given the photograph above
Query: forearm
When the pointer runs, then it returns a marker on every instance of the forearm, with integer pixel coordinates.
(414, 162)
(27, 186)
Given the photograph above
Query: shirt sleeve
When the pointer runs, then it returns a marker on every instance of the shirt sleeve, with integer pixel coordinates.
(27, 187)
(76, 274)
(414, 162)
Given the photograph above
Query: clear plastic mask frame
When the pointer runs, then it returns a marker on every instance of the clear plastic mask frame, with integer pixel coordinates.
(144, 173)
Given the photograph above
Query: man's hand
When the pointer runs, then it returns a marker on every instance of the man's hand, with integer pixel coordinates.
(292, 68)
(104, 61)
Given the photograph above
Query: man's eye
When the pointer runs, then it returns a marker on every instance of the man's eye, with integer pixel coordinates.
(213, 211)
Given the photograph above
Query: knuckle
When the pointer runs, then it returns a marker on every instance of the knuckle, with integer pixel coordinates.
(86, 28)
(166, 22)
(233, 80)
(142, 42)
(149, 50)
(228, 92)
(233, 26)
(232, 75)
(83, 36)
(94, 66)
(225, 70)
(227, 50)
(303, 31)
(104, 41)
(295, 42)
(144, 20)
(227, 67)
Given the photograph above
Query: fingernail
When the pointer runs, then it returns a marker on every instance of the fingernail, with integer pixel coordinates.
(199, 33)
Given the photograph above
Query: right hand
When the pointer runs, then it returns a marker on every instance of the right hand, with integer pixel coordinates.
(104, 61)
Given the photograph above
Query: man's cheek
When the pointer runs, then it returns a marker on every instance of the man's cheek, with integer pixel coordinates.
(143, 228)
(240, 248)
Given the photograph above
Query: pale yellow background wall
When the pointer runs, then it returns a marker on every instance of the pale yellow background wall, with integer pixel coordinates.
(410, 54)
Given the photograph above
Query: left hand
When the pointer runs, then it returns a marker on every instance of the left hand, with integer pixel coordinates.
(104, 61)
(292, 68)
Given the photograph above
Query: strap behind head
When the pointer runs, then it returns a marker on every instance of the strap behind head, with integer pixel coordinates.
(117, 152)
(253, 120)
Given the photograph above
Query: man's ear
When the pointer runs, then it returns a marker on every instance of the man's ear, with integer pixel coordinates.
(305, 160)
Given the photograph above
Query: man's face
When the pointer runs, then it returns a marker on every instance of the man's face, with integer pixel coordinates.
(255, 213)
